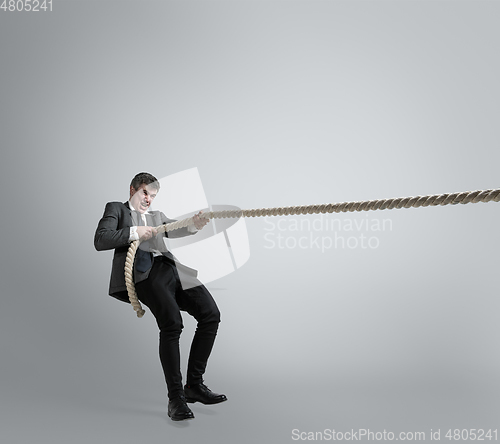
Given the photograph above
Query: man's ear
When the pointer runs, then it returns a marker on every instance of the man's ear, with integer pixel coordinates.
(132, 190)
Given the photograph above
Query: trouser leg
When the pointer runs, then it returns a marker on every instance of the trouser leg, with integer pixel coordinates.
(158, 294)
(201, 348)
(198, 302)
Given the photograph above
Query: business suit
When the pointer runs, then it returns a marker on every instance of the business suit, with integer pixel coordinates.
(158, 285)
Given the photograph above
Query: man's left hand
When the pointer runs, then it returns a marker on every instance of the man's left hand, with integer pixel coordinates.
(199, 222)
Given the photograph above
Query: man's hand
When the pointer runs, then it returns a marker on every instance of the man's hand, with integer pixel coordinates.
(146, 233)
(199, 222)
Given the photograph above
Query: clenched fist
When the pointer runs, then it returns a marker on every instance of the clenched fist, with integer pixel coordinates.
(199, 222)
(146, 233)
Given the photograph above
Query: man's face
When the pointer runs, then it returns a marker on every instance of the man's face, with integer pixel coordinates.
(142, 198)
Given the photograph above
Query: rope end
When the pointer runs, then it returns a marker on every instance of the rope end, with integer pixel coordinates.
(140, 313)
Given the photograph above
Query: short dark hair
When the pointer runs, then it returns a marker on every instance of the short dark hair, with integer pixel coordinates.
(145, 178)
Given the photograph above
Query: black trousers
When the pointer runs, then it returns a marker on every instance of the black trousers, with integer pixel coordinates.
(163, 294)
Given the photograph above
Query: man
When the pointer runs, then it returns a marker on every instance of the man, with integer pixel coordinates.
(157, 278)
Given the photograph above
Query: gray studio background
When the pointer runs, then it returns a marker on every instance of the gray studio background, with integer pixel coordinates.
(276, 103)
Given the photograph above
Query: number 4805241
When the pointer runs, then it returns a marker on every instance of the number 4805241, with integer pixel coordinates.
(26, 5)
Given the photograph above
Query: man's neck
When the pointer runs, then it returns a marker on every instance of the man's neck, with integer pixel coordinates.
(133, 209)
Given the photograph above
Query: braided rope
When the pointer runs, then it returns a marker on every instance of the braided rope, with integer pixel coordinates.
(344, 207)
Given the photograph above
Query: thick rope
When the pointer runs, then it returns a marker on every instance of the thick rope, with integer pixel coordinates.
(344, 207)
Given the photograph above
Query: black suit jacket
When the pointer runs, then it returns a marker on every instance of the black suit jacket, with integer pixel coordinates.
(113, 232)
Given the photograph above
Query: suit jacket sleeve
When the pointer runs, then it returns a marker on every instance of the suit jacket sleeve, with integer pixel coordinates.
(181, 232)
(108, 235)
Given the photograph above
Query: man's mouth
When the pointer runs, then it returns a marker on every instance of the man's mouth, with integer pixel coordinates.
(145, 206)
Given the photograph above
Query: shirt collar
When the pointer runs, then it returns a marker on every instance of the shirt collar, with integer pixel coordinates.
(133, 209)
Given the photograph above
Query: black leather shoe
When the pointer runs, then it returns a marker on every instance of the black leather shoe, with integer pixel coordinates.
(201, 393)
(178, 410)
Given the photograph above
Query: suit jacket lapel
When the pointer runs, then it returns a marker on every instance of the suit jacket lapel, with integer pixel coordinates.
(134, 216)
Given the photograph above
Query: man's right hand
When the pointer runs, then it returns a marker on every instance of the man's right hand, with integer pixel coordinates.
(146, 233)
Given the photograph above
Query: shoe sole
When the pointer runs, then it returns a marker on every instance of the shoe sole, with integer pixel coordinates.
(192, 401)
(180, 419)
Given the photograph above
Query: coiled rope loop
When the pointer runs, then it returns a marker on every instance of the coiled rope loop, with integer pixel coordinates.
(344, 207)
